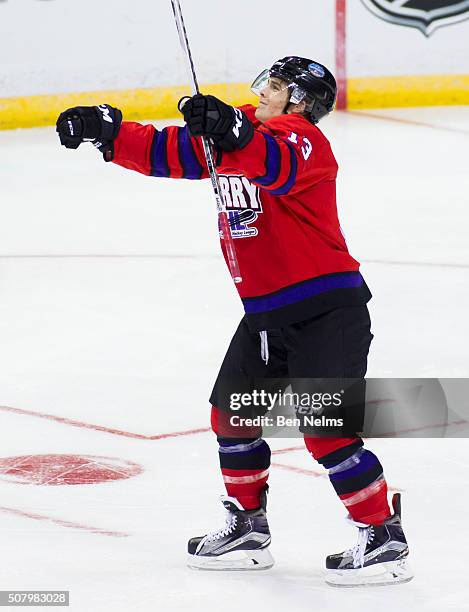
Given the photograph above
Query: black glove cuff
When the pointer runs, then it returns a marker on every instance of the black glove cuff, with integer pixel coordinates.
(106, 148)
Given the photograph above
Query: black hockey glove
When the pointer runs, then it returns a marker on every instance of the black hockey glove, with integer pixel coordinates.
(98, 124)
(228, 127)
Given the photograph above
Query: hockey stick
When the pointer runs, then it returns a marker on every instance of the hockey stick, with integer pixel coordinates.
(225, 232)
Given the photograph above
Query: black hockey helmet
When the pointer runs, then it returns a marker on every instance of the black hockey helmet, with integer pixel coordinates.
(308, 81)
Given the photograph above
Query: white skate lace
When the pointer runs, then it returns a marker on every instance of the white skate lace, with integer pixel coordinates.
(231, 521)
(365, 534)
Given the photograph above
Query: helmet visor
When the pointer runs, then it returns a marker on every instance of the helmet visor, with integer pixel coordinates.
(260, 82)
(263, 80)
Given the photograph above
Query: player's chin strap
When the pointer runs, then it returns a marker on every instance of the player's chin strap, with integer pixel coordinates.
(264, 346)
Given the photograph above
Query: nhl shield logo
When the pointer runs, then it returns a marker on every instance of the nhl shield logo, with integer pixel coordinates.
(426, 15)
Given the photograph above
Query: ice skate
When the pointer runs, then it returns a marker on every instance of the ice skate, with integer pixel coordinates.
(242, 544)
(379, 557)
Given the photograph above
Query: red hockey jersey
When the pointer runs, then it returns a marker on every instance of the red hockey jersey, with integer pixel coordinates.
(280, 194)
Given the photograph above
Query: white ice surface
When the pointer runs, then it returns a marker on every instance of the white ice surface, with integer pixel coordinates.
(116, 310)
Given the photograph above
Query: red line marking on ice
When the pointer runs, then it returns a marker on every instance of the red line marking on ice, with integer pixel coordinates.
(63, 523)
(189, 432)
(290, 449)
(116, 432)
(175, 434)
(299, 470)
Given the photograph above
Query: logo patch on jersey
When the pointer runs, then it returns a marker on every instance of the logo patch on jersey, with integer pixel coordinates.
(425, 15)
(243, 204)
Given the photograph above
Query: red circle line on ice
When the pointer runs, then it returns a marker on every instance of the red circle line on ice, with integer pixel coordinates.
(53, 470)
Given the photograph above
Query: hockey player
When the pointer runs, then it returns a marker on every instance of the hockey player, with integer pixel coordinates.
(303, 295)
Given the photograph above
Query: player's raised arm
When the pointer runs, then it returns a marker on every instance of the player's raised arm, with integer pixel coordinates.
(170, 152)
(278, 148)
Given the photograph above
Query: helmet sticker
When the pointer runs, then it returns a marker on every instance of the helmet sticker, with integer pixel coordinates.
(317, 70)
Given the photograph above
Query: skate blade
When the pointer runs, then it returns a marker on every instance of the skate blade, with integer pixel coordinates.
(381, 574)
(239, 560)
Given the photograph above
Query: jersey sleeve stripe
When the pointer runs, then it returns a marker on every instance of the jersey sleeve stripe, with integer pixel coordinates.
(285, 189)
(158, 155)
(174, 163)
(192, 169)
(272, 162)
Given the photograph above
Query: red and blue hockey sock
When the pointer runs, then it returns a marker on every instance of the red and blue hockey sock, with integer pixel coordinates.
(244, 459)
(244, 466)
(356, 475)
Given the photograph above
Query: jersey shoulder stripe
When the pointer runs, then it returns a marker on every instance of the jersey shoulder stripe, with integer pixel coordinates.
(286, 187)
(281, 166)
(272, 162)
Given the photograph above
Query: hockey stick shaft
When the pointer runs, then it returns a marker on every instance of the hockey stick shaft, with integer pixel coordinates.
(225, 231)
